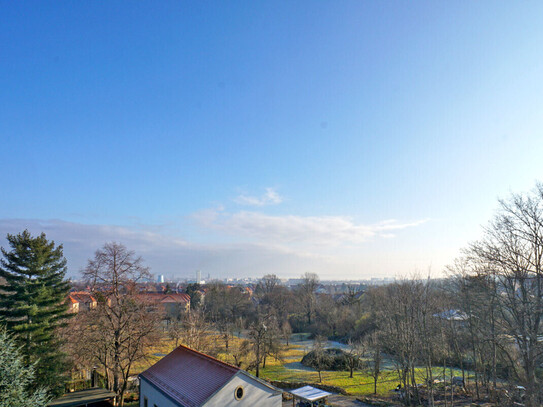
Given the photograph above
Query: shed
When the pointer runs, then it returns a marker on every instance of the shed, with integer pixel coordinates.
(82, 398)
(309, 395)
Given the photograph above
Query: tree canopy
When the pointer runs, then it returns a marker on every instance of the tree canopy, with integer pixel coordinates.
(32, 303)
(16, 378)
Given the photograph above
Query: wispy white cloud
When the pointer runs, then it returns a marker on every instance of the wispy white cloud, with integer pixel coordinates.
(258, 244)
(313, 230)
(167, 254)
(270, 197)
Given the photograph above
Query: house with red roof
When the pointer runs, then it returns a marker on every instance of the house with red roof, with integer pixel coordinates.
(187, 378)
(169, 304)
(81, 301)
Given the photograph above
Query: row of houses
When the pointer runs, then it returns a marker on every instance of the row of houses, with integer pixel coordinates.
(183, 378)
(170, 303)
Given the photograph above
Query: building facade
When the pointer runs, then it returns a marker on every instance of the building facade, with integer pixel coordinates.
(186, 378)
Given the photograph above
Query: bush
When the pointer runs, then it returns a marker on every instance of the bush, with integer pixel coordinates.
(336, 360)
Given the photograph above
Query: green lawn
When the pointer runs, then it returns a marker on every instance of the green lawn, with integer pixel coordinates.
(361, 384)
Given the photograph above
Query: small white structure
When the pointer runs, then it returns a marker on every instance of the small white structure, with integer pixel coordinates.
(310, 395)
(186, 378)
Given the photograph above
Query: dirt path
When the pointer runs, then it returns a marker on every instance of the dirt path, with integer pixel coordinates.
(345, 401)
(337, 400)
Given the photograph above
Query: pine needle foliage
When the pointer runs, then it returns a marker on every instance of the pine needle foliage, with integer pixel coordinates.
(16, 378)
(33, 304)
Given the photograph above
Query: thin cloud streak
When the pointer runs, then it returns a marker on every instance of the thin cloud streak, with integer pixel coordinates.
(284, 245)
(270, 197)
(172, 256)
(311, 230)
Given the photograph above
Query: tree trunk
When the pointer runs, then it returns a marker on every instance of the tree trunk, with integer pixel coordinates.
(475, 368)
(116, 365)
(258, 359)
(452, 388)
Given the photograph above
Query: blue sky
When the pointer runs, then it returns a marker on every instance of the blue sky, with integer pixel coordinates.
(352, 139)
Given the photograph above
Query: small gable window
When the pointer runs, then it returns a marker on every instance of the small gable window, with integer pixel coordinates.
(239, 393)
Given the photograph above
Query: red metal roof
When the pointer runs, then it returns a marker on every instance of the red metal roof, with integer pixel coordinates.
(188, 376)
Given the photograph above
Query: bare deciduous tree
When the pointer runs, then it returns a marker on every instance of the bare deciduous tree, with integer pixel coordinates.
(511, 255)
(374, 363)
(307, 298)
(195, 332)
(354, 355)
(268, 283)
(321, 359)
(121, 327)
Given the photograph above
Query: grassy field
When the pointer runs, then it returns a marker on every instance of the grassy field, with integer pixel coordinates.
(359, 384)
(156, 353)
(288, 369)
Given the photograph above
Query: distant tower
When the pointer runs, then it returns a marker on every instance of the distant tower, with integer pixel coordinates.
(198, 276)
(160, 278)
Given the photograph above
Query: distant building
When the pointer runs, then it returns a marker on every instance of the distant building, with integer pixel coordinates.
(169, 304)
(198, 279)
(160, 278)
(186, 378)
(81, 301)
(294, 281)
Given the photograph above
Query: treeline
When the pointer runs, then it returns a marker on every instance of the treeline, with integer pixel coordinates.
(484, 319)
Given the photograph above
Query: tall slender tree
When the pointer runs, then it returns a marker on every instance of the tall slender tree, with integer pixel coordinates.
(32, 304)
(306, 293)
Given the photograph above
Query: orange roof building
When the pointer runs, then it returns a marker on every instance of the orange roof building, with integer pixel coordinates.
(81, 300)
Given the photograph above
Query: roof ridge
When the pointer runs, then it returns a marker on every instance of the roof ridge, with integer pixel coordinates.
(163, 374)
(210, 358)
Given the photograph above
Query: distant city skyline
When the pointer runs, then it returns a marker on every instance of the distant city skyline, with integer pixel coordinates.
(351, 139)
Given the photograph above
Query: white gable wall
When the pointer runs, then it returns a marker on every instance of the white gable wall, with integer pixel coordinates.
(154, 396)
(255, 394)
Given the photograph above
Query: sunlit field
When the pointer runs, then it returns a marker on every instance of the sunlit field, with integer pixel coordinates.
(288, 369)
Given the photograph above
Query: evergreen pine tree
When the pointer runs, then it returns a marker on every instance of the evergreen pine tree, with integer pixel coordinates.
(33, 306)
(16, 379)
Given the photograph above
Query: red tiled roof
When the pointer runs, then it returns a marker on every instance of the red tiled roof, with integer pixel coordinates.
(180, 297)
(82, 297)
(188, 376)
(172, 297)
